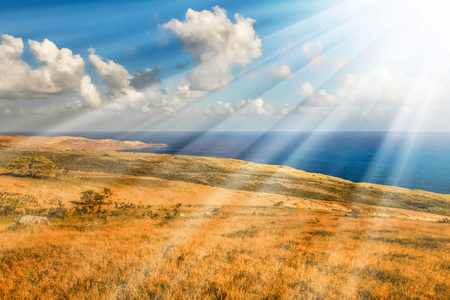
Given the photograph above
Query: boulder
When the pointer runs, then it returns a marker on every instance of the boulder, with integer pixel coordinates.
(352, 214)
(34, 220)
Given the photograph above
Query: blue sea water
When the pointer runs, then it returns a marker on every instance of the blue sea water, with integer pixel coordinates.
(416, 161)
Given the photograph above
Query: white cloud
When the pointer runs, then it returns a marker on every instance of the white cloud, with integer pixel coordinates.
(313, 51)
(150, 98)
(117, 79)
(89, 92)
(217, 45)
(62, 72)
(251, 107)
(223, 108)
(254, 107)
(306, 89)
(178, 101)
(381, 90)
(282, 71)
(383, 86)
(312, 97)
(115, 76)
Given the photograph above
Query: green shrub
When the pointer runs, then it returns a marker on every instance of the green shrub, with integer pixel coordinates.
(31, 166)
(91, 201)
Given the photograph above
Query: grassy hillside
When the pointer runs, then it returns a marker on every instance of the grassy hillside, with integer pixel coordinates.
(240, 175)
(179, 227)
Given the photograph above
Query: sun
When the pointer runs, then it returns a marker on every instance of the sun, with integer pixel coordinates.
(419, 25)
(430, 15)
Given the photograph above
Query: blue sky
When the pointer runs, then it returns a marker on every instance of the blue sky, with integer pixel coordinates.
(191, 65)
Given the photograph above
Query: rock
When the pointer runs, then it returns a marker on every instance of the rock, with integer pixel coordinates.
(352, 214)
(182, 215)
(34, 220)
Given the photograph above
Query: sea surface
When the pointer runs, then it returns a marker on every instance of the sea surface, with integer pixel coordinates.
(416, 161)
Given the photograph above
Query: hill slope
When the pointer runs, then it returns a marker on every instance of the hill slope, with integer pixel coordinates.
(240, 175)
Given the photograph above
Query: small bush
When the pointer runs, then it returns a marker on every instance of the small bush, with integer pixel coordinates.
(31, 166)
(92, 201)
(12, 204)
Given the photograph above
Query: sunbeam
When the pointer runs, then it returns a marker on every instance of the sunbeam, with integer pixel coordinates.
(175, 149)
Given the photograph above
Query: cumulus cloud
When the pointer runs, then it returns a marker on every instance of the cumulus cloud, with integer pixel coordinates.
(117, 79)
(178, 101)
(254, 107)
(61, 72)
(216, 44)
(381, 88)
(223, 108)
(312, 97)
(306, 89)
(149, 77)
(89, 92)
(313, 51)
(282, 71)
(142, 91)
(316, 101)
(115, 76)
(250, 107)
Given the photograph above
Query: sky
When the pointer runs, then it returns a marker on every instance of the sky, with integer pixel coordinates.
(305, 65)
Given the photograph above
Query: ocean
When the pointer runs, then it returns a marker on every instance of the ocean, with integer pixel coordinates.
(415, 161)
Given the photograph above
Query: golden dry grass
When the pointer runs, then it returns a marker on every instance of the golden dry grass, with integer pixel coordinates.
(278, 253)
(259, 244)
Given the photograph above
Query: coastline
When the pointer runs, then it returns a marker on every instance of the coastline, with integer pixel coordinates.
(63, 143)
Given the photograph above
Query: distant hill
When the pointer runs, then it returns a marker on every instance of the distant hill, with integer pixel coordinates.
(71, 143)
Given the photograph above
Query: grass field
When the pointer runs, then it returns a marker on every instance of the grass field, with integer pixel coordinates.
(203, 228)
(279, 253)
